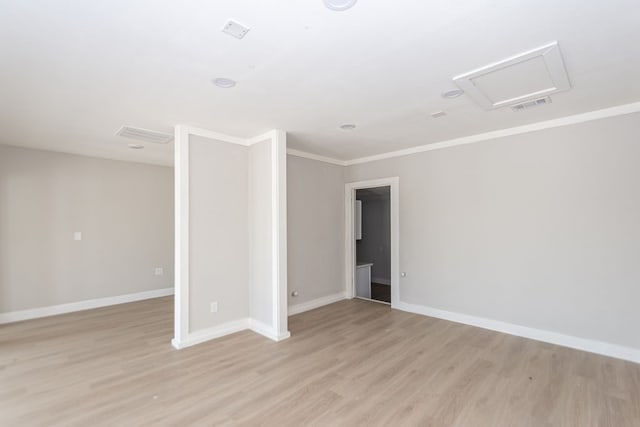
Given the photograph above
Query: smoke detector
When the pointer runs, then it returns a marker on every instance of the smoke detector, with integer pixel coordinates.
(145, 135)
(531, 104)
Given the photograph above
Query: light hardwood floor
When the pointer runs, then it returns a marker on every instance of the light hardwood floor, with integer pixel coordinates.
(350, 363)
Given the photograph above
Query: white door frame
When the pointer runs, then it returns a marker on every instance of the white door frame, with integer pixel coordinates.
(349, 231)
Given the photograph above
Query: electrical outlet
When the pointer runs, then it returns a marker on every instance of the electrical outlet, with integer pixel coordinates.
(159, 271)
(77, 235)
(214, 307)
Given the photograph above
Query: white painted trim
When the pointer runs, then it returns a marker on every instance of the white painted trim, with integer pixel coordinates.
(350, 251)
(316, 303)
(279, 232)
(203, 335)
(214, 135)
(584, 344)
(278, 141)
(267, 331)
(554, 65)
(317, 157)
(381, 281)
(619, 110)
(267, 136)
(53, 310)
(229, 328)
(548, 124)
(181, 262)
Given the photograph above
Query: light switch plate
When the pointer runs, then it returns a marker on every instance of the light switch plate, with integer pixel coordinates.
(214, 307)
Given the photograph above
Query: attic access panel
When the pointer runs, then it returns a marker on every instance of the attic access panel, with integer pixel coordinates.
(533, 74)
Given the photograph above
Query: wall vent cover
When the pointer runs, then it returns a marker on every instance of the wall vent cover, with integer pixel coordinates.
(145, 135)
(527, 76)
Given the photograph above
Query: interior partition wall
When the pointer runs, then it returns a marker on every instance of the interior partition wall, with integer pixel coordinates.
(230, 225)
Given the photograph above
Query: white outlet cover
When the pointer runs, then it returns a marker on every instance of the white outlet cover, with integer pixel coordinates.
(159, 271)
(77, 235)
(214, 307)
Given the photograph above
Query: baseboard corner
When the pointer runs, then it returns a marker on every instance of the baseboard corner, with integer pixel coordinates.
(316, 303)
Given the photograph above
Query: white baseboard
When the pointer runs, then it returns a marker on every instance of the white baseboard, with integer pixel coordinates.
(211, 333)
(381, 281)
(267, 331)
(592, 346)
(34, 313)
(228, 328)
(318, 302)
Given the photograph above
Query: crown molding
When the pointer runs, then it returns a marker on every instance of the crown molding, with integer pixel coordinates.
(317, 157)
(205, 133)
(619, 110)
(604, 113)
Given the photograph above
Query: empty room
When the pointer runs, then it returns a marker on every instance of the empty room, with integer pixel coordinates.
(319, 212)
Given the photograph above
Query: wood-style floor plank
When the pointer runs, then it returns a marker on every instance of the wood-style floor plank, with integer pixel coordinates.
(351, 363)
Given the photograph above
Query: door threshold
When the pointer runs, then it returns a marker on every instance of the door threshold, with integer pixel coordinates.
(374, 300)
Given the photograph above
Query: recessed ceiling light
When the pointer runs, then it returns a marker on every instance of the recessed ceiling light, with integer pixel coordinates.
(348, 126)
(339, 5)
(136, 146)
(453, 93)
(438, 114)
(224, 82)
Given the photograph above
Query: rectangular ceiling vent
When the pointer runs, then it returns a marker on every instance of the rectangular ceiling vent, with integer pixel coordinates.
(145, 135)
(235, 29)
(531, 104)
(524, 77)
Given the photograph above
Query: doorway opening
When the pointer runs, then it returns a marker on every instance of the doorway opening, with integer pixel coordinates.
(373, 243)
(372, 250)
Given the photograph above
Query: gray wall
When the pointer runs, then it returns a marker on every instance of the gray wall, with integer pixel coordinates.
(375, 245)
(315, 228)
(219, 233)
(124, 211)
(540, 229)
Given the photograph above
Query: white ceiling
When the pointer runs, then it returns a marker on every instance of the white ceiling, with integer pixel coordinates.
(74, 71)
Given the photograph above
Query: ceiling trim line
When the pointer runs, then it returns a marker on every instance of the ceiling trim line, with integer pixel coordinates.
(205, 133)
(619, 110)
(317, 157)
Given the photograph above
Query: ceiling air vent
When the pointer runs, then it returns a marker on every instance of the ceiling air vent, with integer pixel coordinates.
(531, 104)
(235, 29)
(145, 135)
